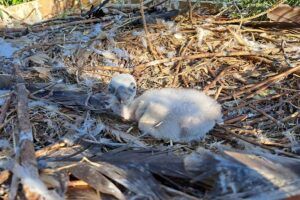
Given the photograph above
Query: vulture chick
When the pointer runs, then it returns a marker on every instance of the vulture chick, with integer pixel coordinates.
(181, 115)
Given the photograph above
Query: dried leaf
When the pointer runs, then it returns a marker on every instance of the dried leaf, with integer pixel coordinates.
(96, 180)
(285, 13)
(4, 175)
(40, 58)
(133, 177)
(85, 193)
(127, 137)
(108, 55)
(44, 72)
(49, 180)
(239, 77)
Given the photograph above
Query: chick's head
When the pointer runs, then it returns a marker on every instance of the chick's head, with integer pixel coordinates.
(123, 86)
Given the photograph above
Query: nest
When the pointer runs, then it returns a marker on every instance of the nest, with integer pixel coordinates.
(251, 69)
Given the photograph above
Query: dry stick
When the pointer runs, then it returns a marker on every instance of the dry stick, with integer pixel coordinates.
(6, 122)
(25, 153)
(178, 192)
(260, 59)
(190, 10)
(119, 6)
(217, 78)
(46, 151)
(175, 80)
(5, 108)
(252, 17)
(245, 103)
(58, 20)
(265, 114)
(156, 5)
(219, 90)
(257, 91)
(151, 49)
(75, 23)
(292, 116)
(256, 120)
(251, 141)
(236, 119)
(44, 28)
(142, 67)
(267, 81)
(43, 89)
(238, 37)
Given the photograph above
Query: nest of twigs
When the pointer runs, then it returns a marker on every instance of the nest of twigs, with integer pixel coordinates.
(254, 72)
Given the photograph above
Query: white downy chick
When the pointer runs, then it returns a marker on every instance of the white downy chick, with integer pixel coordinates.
(181, 115)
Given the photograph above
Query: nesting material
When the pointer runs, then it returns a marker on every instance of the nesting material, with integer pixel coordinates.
(250, 67)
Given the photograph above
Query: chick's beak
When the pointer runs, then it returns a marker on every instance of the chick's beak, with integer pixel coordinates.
(122, 94)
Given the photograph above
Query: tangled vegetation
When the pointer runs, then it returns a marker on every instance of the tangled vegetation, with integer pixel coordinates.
(244, 8)
(12, 2)
(242, 4)
(235, 8)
